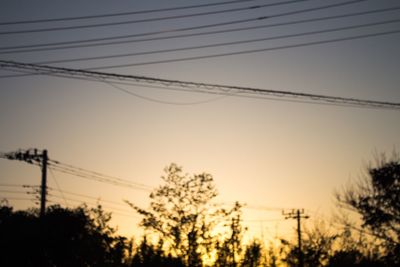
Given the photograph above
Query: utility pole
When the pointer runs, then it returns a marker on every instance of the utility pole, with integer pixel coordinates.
(43, 187)
(35, 157)
(298, 215)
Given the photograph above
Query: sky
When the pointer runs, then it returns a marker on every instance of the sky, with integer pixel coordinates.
(275, 154)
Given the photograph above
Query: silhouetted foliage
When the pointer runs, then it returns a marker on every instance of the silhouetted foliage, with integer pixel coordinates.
(353, 258)
(253, 254)
(148, 255)
(355, 249)
(64, 237)
(182, 214)
(377, 199)
(229, 250)
(317, 246)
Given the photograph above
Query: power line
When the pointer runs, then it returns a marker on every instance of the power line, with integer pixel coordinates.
(68, 167)
(13, 185)
(322, 99)
(113, 210)
(335, 40)
(58, 186)
(263, 220)
(98, 202)
(135, 35)
(163, 101)
(120, 13)
(95, 204)
(224, 94)
(18, 198)
(78, 43)
(98, 179)
(363, 36)
(91, 197)
(263, 208)
(167, 17)
(12, 192)
(221, 44)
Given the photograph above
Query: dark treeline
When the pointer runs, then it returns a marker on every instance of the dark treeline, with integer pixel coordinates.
(181, 223)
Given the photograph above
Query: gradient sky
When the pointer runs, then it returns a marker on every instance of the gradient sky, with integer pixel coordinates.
(261, 152)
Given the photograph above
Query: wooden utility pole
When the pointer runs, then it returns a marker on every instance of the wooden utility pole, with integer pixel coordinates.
(298, 215)
(43, 186)
(33, 156)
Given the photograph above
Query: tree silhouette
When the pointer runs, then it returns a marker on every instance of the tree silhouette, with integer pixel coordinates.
(149, 255)
(64, 237)
(377, 199)
(253, 255)
(230, 249)
(182, 214)
(318, 245)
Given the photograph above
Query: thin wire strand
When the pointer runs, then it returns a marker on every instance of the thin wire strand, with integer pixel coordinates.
(12, 185)
(170, 17)
(121, 13)
(224, 44)
(18, 198)
(93, 203)
(32, 48)
(97, 178)
(94, 178)
(69, 166)
(92, 197)
(12, 192)
(163, 101)
(58, 187)
(252, 51)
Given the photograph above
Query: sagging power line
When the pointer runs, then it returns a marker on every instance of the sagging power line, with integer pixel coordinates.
(198, 87)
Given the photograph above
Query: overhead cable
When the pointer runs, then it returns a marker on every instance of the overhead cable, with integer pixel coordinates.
(96, 176)
(91, 197)
(58, 186)
(13, 185)
(224, 44)
(250, 51)
(81, 43)
(215, 12)
(18, 198)
(94, 173)
(13, 192)
(159, 101)
(180, 16)
(324, 99)
(113, 210)
(121, 13)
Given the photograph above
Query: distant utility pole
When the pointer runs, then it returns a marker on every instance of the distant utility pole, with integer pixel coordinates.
(34, 156)
(298, 215)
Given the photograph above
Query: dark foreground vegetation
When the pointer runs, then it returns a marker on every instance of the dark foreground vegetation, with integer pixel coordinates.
(181, 222)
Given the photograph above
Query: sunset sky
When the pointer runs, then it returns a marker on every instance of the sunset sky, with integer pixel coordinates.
(266, 153)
